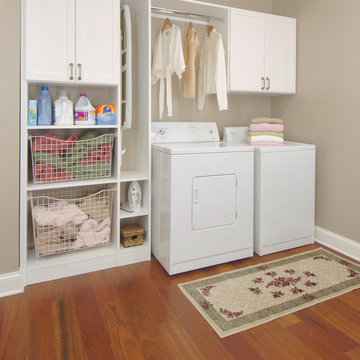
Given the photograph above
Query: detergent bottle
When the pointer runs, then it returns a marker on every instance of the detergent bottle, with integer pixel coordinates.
(44, 107)
(63, 110)
(84, 111)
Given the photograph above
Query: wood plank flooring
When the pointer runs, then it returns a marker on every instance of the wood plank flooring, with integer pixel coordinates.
(138, 312)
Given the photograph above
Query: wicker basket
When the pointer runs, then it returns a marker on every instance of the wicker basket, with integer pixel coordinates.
(55, 158)
(132, 235)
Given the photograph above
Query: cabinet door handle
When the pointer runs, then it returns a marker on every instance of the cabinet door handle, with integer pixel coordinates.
(71, 77)
(263, 83)
(79, 66)
(268, 82)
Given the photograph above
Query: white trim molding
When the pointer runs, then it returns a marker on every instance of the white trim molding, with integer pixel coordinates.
(11, 284)
(338, 243)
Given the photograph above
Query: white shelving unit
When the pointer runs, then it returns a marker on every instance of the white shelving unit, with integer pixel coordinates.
(102, 87)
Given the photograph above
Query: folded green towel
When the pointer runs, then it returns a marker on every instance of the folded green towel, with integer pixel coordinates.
(90, 134)
(273, 133)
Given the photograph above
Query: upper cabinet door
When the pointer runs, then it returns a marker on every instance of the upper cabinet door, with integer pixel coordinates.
(246, 51)
(262, 53)
(280, 54)
(50, 40)
(98, 41)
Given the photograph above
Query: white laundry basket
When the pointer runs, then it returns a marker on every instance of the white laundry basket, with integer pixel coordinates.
(71, 221)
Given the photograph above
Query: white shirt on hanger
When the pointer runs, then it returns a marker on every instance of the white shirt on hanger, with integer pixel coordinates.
(212, 71)
(168, 58)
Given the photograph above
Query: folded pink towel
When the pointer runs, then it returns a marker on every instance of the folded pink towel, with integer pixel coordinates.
(267, 127)
(265, 143)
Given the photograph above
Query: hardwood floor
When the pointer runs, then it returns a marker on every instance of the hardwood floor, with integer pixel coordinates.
(138, 312)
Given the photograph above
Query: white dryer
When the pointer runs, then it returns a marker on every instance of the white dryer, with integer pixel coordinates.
(284, 186)
(202, 197)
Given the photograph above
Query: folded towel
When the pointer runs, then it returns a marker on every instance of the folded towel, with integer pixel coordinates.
(266, 127)
(265, 138)
(266, 120)
(265, 143)
(272, 133)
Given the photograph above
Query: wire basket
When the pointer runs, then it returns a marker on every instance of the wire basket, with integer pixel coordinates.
(55, 158)
(62, 225)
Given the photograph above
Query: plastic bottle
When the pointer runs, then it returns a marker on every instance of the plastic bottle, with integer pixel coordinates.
(44, 107)
(84, 111)
(63, 110)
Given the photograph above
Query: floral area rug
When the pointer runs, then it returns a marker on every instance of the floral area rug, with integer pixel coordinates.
(238, 300)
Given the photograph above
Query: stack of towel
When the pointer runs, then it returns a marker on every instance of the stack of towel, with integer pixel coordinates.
(266, 132)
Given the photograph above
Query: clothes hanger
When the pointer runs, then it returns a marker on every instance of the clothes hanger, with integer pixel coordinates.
(211, 28)
(166, 23)
(189, 28)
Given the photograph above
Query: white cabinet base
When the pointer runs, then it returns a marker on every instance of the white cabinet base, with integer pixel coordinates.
(273, 248)
(181, 267)
(69, 264)
(284, 208)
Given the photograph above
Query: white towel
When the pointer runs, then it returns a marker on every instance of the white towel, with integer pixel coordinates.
(265, 138)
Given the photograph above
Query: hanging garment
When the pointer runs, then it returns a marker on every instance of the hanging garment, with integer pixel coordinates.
(212, 71)
(191, 44)
(168, 59)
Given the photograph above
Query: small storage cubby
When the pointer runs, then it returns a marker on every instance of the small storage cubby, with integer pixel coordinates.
(135, 162)
(124, 200)
(143, 221)
(71, 154)
(71, 219)
(71, 243)
(97, 94)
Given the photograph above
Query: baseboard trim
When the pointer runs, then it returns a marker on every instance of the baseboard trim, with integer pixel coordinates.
(11, 284)
(338, 243)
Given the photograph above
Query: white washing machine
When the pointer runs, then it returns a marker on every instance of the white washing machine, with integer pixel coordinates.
(284, 203)
(202, 197)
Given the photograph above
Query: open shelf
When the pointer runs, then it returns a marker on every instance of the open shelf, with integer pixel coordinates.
(141, 212)
(131, 175)
(64, 184)
(54, 127)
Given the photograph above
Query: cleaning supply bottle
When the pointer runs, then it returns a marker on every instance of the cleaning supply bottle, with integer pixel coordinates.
(84, 111)
(44, 107)
(63, 110)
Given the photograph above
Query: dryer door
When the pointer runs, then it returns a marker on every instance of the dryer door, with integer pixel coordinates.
(214, 201)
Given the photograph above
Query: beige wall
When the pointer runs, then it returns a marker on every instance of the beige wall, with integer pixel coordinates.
(9, 144)
(325, 110)
(241, 107)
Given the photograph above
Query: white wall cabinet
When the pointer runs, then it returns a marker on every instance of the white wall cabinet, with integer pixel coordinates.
(262, 53)
(73, 41)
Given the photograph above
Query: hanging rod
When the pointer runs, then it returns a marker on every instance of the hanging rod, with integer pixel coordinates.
(186, 14)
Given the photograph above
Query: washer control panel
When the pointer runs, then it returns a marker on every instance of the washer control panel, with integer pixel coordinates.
(169, 132)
